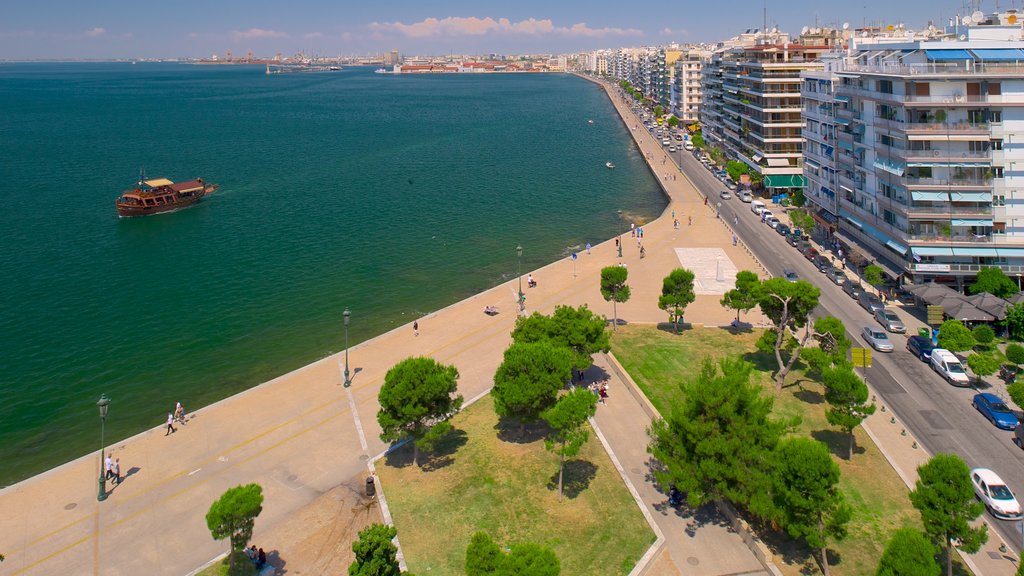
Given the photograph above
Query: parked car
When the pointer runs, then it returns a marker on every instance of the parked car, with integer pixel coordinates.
(949, 367)
(1018, 436)
(997, 412)
(853, 290)
(877, 339)
(1008, 372)
(746, 196)
(790, 275)
(890, 321)
(993, 493)
(782, 229)
(837, 276)
(822, 263)
(870, 302)
(671, 148)
(772, 222)
(920, 346)
(687, 145)
(810, 253)
(765, 214)
(795, 239)
(724, 194)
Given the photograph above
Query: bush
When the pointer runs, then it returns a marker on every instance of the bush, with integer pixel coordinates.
(984, 334)
(1015, 353)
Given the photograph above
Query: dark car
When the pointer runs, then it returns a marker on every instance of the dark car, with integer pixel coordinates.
(810, 253)
(822, 263)
(1008, 372)
(921, 347)
(852, 289)
(782, 229)
(794, 239)
(870, 302)
(995, 410)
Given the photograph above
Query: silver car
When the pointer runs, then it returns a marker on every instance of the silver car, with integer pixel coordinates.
(877, 339)
(724, 194)
(890, 321)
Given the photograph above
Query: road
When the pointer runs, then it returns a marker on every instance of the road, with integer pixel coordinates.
(938, 414)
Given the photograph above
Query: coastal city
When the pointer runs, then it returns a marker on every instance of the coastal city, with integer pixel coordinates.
(445, 303)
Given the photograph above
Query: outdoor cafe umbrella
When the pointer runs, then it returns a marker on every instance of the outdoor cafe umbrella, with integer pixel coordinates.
(934, 294)
(990, 303)
(1016, 298)
(965, 311)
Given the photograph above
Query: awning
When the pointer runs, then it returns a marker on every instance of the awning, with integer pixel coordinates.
(757, 157)
(826, 215)
(991, 54)
(970, 196)
(948, 55)
(930, 196)
(842, 121)
(931, 251)
(985, 252)
(1011, 253)
(157, 182)
(887, 266)
(811, 164)
(966, 222)
(777, 162)
(890, 167)
(828, 192)
(851, 219)
(842, 98)
(785, 181)
(846, 145)
(899, 248)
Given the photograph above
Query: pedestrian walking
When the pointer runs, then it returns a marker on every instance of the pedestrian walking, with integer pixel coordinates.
(616, 242)
(179, 413)
(415, 328)
(705, 200)
(117, 471)
(733, 239)
(675, 224)
(673, 214)
(109, 467)
(642, 252)
(689, 220)
(735, 220)
(170, 424)
(588, 247)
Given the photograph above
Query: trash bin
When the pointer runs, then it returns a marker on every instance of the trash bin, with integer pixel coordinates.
(371, 488)
(924, 332)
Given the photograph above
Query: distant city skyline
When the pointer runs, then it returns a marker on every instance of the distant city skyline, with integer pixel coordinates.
(191, 28)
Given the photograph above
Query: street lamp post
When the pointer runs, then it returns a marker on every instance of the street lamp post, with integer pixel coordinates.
(102, 404)
(346, 315)
(519, 273)
(619, 245)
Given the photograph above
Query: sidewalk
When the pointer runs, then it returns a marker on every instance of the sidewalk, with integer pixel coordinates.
(701, 542)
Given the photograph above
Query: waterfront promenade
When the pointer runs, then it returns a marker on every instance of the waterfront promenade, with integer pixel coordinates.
(306, 439)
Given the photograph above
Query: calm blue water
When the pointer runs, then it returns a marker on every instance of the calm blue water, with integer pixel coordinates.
(394, 196)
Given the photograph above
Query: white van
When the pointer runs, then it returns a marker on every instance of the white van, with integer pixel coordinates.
(949, 367)
(757, 206)
(687, 145)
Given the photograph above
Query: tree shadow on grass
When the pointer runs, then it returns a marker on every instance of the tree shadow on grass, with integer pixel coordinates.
(761, 361)
(838, 442)
(809, 396)
(511, 430)
(671, 328)
(740, 328)
(792, 552)
(429, 460)
(577, 476)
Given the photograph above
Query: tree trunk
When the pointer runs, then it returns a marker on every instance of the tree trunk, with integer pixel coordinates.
(949, 556)
(561, 468)
(824, 545)
(415, 454)
(852, 442)
(780, 337)
(615, 315)
(780, 377)
(231, 556)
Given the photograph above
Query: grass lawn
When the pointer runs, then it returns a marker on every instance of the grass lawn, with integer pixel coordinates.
(658, 361)
(486, 478)
(243, 567)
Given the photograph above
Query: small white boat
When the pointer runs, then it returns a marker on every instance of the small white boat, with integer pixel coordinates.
(590, 121)
(381, 71)
(609, 165)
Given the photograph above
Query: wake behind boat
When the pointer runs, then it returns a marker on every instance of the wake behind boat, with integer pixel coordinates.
(161, 195)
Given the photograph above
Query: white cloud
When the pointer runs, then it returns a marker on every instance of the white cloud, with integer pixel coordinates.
(671, 32)
(472, 26)
(256, 34)
(96, 32)
(312, 35)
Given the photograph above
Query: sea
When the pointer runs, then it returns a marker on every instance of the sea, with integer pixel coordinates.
(390, 195)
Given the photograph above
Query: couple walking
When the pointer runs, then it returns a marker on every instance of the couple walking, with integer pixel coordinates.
(177, 416)
(113, 470)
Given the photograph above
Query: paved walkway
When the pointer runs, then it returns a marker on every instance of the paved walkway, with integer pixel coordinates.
(306, 439)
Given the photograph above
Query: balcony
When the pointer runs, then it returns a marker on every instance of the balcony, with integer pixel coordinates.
(942, 129)
(949, 211)
(948, 156)
(946, 183)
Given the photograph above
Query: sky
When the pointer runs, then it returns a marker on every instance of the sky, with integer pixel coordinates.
(59, 29)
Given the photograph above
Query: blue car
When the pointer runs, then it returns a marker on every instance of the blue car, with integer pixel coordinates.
(995, 410)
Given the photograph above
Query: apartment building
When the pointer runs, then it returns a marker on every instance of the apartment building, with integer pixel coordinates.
(752, 95)
(686, 94)
(929, 151)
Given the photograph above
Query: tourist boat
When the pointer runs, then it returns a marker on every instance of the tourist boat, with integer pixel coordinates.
(161, 195)
(609, 165)
(381, 71)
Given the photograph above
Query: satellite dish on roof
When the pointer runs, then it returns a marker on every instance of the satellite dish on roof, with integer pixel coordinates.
(846, 25)
(931, 28)
(963, 36)
(978, 16)
(966, 20)
(805, 30)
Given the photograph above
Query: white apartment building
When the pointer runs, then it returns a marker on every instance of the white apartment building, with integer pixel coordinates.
(929, 151)
(686, 94)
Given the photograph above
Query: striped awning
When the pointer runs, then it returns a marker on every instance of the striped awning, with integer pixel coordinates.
(993, 54)
(931, 251)
(966, 222)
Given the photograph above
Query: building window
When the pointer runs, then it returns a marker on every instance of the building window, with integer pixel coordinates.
(1000, 200)
(997, 144)
(885, 86)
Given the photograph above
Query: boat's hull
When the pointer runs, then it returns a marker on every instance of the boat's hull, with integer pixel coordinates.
(129, 210)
